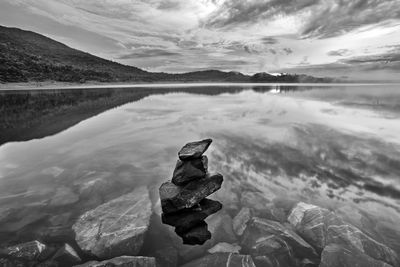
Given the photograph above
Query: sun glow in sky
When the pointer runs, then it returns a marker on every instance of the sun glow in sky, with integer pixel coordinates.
(357, 39)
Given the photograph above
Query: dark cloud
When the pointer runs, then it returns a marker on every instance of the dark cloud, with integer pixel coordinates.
(339, 53)
(269, 40)
(287, 50)
(272, 51)
(328, 17)
(147, 53)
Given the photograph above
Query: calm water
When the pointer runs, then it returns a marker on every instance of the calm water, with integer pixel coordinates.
(337, 147)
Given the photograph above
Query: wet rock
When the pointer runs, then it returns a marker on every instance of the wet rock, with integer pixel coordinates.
(197, 235)
(351, 237)
(66, 256)
(225, 248)
(175, 198)
(188, 170)
(188, 218)
(5, 262)
(311, 223)
(222, 259)
(240, 220)
(194, 149)
(26, 251)
(339, 256)
(123, 261)
(117, 227)
(275, 242)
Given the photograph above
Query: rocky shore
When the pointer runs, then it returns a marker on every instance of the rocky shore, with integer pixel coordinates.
(131, 231)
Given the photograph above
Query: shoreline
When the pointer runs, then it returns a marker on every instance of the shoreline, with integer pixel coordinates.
(68, 86)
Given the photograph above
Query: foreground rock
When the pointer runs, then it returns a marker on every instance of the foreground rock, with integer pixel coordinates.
(189, 170)
(123, 261)
(117, 227)
(274, 244)
(25, 251)
(197, 235)
(339, 256)
(225, 248)
(321, 227)
(240, 220)
(194, 149)
(222, 259)
(66, 256)
(175, 198)
(188, 218)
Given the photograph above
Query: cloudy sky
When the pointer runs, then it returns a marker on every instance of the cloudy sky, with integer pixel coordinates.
(359, 39)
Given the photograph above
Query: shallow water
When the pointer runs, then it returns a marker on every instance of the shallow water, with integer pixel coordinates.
(334, 146)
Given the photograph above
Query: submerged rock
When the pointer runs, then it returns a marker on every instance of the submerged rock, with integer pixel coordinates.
(240, 220)
(25, 251)
(66, 256)
(197, 235)
(275, 243)
(188, 170)
(339, 256)
(188, 218)
(222, 259)
(225, 248)
(123, 261)
(117, 227)
(175, 198)
(194, 150)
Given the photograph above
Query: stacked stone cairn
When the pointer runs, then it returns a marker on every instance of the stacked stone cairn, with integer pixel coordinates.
(183, 199)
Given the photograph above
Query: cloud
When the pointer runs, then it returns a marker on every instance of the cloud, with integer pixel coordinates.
(145, 53)
(269, 40)
(339, 53)
(287, 50)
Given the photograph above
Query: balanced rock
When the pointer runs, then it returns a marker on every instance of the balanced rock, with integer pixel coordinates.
(194, 149)
(188, 218)
(175, 198)
(197, 235)
(25, 251)
(123, 261)
(222, 259)
(188, 170)
(117, 227)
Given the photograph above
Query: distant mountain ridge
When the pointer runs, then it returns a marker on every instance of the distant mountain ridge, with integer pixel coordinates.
(27, 56)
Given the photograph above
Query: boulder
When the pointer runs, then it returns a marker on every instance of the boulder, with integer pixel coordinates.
(222, 259)
(339, 256)
(188, 170)
(220, 224)
(311, 222)
(123, 261)
(194, 150)
(188, 218)
(225, 248)
(240, 220)
(275, 242)
(66, 256)
(197, 235)
(25, 251)
(175, 198)
(351, 237)
(117, 227)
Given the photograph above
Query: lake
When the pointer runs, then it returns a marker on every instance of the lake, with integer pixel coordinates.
(334, 146)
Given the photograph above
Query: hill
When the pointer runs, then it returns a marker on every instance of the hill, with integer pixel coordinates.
(27, 56)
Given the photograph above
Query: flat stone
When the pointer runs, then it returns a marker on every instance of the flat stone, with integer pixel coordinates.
(188, 218)
(188, 170)
(123, 261)
(240, 220)
(66, 256)
(175, 198)
(194, 149)
(222, 259)
(117, 227)
(26, 251)
(225, 248)
(198, 235)
(275, 241)
(338, 256)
